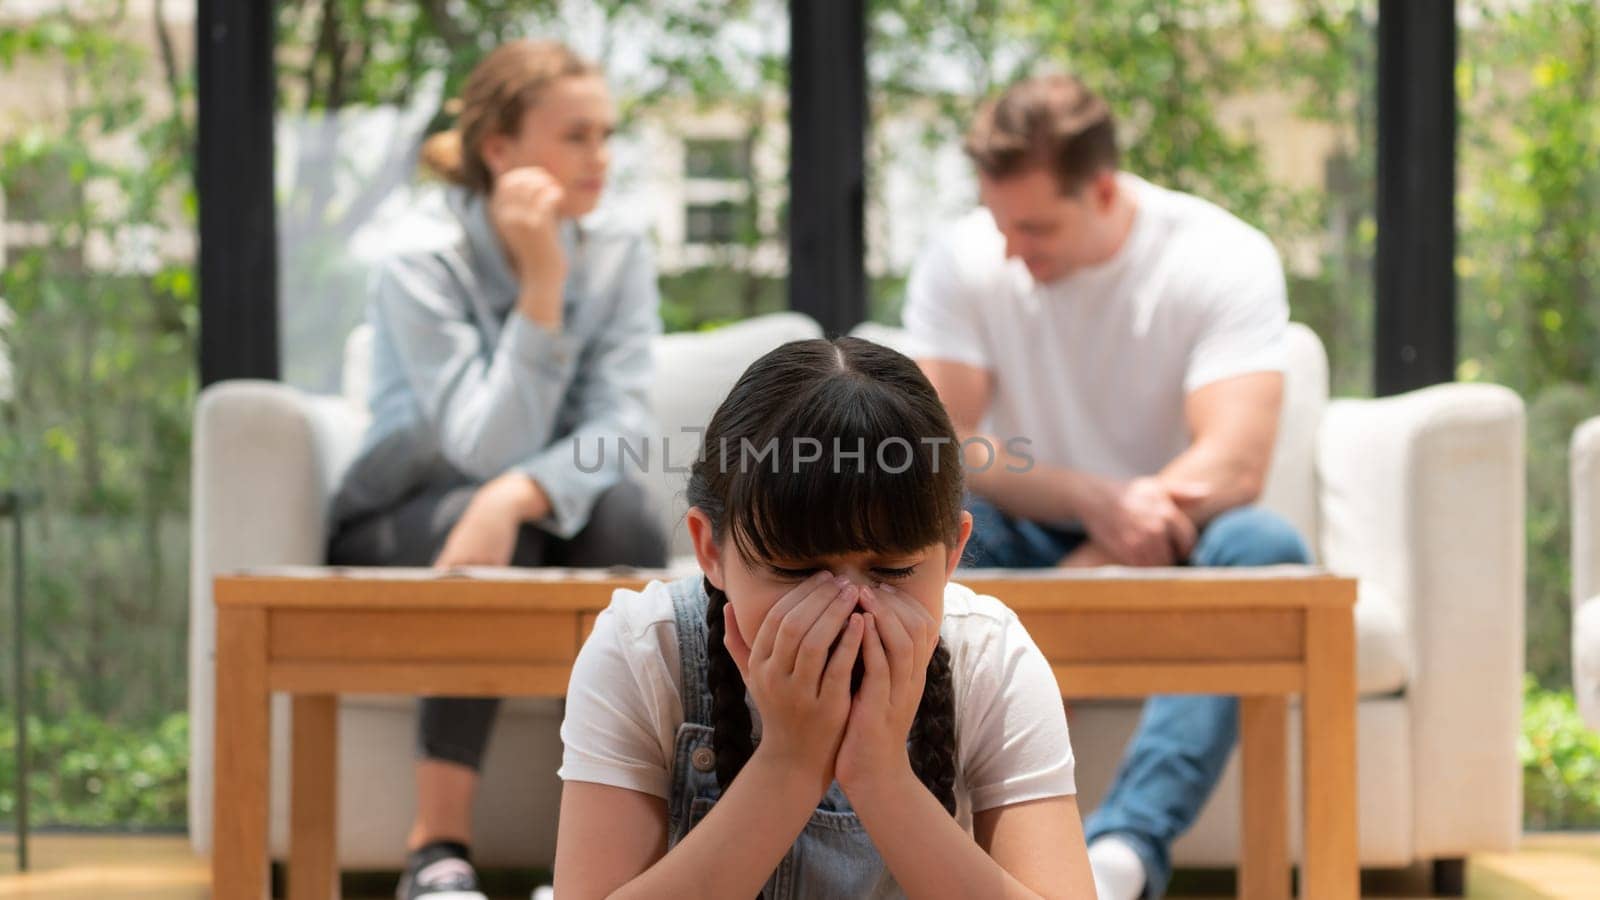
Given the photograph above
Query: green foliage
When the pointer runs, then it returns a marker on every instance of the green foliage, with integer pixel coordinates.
(705, 297)
(85, 772)
(103, 349)
(1530, 206)
(1553, 415)
(1560, 762)
(1529, 263)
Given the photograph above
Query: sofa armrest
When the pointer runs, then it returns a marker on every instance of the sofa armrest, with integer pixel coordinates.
(266, 459)
(1585, 485)
(1422, 494)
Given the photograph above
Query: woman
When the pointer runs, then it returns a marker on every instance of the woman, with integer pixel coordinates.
(493, 353)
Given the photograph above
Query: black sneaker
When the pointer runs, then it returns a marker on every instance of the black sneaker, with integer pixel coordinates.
(439, 871)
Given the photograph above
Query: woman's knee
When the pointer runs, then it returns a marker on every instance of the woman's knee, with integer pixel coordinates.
(623, 530)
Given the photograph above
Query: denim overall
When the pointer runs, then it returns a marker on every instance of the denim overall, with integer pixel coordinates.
(832, 857)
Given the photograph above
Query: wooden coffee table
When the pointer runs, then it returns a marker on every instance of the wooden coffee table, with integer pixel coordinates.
(315, 633)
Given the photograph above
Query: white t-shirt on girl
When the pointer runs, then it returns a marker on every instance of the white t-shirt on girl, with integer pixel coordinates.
(624, 705)
(1093, 369)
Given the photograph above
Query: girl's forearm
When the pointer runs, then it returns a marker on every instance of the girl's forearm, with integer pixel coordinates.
(761, 815)
(928, 853)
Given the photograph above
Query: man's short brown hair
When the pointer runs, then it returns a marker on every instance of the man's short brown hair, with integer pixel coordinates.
(1051, 122)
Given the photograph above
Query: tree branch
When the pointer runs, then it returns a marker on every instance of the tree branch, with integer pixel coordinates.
(444, 25)
(174, 79)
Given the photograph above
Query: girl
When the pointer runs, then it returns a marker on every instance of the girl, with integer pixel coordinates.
(492, 350)
(714, 746)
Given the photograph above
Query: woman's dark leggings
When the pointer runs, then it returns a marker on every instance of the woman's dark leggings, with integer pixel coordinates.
(622, 530)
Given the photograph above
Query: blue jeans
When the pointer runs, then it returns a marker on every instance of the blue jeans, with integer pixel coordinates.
(1183, 741)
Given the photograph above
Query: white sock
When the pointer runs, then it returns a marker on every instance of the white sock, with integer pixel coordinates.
(1118, 871)
(544, 893)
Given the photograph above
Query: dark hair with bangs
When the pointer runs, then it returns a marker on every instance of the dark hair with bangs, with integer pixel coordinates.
(848, 469)
(826, 448)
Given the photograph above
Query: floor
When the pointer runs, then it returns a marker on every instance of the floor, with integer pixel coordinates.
(124, 867)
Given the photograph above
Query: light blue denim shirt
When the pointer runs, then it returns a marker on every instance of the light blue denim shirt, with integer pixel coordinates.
(465, 388)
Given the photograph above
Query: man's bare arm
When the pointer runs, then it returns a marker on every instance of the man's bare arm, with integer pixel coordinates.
(1041, 493)
(1234, 423)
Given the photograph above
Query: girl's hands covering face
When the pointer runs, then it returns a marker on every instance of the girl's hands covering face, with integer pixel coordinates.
(798, 670)
(899, 637)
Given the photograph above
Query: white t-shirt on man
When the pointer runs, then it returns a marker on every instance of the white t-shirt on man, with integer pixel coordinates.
(1093, 369)
(624, 703)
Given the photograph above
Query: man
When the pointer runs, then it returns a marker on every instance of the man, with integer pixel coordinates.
(1134, 337)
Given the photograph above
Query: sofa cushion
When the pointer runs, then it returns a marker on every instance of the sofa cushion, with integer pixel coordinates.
(355, 379)
(1383, 647)
(694, 371)
(1291, 486)
(887, 335)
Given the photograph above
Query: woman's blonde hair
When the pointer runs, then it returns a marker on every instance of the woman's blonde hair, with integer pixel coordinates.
(500, 89)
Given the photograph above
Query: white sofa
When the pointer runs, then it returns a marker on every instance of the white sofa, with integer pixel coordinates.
(1421, 496)
(1585, 462)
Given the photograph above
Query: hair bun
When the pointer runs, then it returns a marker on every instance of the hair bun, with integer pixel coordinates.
(441, 155)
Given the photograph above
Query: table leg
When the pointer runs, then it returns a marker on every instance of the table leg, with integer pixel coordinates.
(314, 797)
(1328, 757)
(241, 764)
(1264, 759)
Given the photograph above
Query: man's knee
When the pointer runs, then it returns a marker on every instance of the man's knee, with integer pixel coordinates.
(1250, 536)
